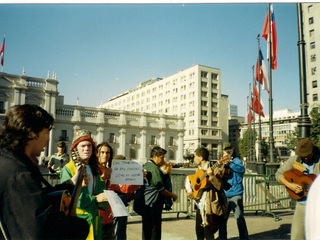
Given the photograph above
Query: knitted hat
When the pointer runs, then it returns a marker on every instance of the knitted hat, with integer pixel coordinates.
(304, 147)
(79, 136)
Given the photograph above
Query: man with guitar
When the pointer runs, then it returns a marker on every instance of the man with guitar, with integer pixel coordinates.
(297, 175)
(24, 209)
(92, 197)
(206, 188)
(234, 193)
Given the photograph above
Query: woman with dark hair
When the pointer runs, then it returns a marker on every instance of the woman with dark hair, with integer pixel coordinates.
(92, 198)
(24, 209)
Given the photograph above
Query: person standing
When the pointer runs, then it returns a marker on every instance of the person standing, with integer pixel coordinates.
(104, 154)
(59, 159)
(25, 212)
(211, 203)
(234, 194)
(151, 216)
(92, 198)
(307, 156)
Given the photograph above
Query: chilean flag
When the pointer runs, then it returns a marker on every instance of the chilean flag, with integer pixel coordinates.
(273, 42)
(264, 79)
(2, 51)
(255, 101)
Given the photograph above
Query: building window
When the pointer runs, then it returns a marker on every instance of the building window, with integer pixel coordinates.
(214, 114)
(215, 105)
(132, 153)
(313, 70)
(310, 8)
(153, 140)
(64, 135)
(214, 76)
(214, 95)
(112, 138)
(133, 139)
(204, 94)
(311, 20)
(214, 124)
(204, 122)
(204, 103)
(315, 97)
(214, 86)
(204, 113)
(204, 84)
(204, 74)
(215, 133)
(204, 132)
(313, 57)
(2, 110)
(171, 141)
(311, 33)
(171, 154)
(314, 84)
(313, 45)
(191, 113)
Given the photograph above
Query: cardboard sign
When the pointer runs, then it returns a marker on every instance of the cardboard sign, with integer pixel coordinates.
(126, 172)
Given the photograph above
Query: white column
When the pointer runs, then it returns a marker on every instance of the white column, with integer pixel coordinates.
(100, 135)
(162, 141)
(180, 148)
(122, 141)
(143, 146)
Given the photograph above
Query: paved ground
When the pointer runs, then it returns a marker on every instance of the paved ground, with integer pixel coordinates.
(259, 227)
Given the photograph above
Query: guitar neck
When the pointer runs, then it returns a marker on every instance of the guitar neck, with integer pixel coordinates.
(212, 167)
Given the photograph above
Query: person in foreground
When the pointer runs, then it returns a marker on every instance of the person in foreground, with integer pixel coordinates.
(151, 217)
(211, 202)
(306, 161)
(25, 210)
(92, 198)
(234, 195)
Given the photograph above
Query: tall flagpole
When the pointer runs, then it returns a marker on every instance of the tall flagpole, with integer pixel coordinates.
(249, 128)
(304, 122)
(260, 166)
(254, 128)
(272, 165)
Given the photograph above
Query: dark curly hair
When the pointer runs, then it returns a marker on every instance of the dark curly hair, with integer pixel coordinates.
(105, 144)
(20, 121)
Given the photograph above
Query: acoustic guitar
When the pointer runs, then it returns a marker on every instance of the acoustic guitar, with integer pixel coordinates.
(305, 181)
(199, 181)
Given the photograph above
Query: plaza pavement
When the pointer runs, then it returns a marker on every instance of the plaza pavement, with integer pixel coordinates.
(259, 226)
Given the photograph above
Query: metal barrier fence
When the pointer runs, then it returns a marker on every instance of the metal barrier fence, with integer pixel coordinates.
(261, 194)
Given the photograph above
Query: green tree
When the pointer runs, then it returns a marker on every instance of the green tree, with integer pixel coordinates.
(315, 126)
(244, 144)
(292, 139)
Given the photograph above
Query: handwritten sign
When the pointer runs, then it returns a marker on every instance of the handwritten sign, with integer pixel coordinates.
(126, 172)
(117, 206)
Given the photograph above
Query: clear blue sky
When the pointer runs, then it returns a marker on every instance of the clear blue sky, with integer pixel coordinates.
(99, 51)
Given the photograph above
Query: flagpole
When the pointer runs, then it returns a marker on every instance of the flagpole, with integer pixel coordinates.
(304, 122)
(260, 164)
(272, 166)
(253, 124)
(249, 134)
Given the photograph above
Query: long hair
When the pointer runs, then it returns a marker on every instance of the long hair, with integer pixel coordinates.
(20, 121)
(105, 144)
(93, 162)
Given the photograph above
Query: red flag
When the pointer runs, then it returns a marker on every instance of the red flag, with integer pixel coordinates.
(264, 80)
(250, 117)
(2, 51)
(265, 34)
(255, 101)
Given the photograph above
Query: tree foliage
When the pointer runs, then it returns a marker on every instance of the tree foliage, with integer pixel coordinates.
(315, 126)
(244, 144)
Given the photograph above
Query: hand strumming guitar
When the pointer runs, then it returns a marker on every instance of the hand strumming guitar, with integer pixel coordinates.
(85, 180)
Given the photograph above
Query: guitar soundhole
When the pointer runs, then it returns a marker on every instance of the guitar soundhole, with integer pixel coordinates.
(198, 181)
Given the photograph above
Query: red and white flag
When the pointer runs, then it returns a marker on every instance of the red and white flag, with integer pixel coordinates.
(2, 52)
(271, 40)
(264, 79)
(255, 101)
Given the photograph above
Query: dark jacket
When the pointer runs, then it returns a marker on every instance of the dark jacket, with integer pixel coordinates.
(23, 207)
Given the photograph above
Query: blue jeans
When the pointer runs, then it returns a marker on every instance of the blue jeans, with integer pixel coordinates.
(235, 204)
(120, 228)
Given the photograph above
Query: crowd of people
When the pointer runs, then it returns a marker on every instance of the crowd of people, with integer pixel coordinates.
(28, 203)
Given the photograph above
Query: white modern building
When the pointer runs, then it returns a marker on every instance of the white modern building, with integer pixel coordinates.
(132, 134)
(284, 123)
(195, 95)
(311, 28)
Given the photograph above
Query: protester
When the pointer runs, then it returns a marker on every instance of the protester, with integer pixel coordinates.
(59, 159)
(92, 197)
(211, 203)
(307, 157)
(104, 154)
(166, 170)
(151, 216)
(25, 212)
(234, 194)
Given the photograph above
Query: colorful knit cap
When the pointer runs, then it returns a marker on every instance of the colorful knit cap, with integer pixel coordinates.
(81, 135)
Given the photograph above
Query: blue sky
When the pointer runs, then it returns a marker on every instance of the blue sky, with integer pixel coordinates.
(101, 50)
